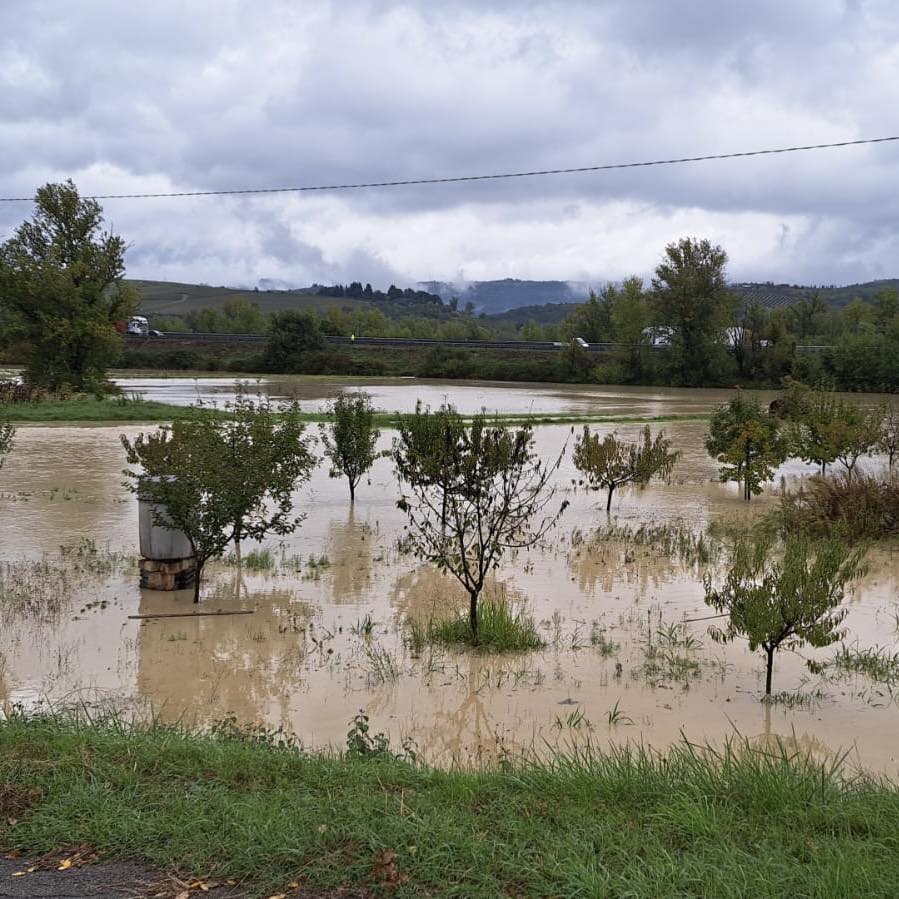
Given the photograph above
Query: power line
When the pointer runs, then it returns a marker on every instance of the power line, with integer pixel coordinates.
(463, 178)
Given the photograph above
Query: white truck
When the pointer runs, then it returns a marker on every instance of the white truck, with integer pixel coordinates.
(138, 326)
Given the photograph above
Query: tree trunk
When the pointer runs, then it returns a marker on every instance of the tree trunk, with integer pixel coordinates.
(198, 572)
(769, 669)
(352, 491)
(823, 469)
(237, 555)
(609, 500)
(473, 617)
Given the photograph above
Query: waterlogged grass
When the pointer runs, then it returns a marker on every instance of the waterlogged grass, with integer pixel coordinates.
(123, 409)
(91, 409)
(501, 628)
(877, 663)
(236, 804)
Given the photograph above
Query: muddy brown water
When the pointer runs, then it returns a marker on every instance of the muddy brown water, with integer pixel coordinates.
(300, 661)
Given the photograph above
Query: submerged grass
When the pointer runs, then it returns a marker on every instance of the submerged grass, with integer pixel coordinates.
(875, 662)
(121, 408)
(626, 822)
(501, 628)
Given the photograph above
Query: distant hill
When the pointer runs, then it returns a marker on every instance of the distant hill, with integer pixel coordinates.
(508, 300)
(776, 296)
(546, 314)
(174, 298)
(509, 293)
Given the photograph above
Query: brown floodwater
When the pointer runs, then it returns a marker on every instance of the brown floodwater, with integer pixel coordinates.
(624, 658)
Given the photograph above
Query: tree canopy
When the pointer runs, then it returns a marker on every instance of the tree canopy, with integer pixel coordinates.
(220, 479)
(746, 441)
(62, 290)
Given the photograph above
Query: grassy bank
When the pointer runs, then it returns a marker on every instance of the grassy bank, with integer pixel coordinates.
(626, 824)
(90, 409)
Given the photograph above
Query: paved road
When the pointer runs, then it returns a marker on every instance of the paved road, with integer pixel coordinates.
(110, 880)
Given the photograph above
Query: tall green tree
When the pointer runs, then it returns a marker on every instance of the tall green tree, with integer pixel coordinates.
(692, 298)
(787, 601)
(608, 463)
(62, 290)
(746, 440)
(291, 333)
(471, 493)
(592, 320)
(630, 316)
(219, 479)
(351, 438)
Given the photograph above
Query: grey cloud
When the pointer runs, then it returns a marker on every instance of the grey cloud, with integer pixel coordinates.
(234, 94)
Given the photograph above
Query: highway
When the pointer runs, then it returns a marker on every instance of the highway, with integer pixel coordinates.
(543, 346)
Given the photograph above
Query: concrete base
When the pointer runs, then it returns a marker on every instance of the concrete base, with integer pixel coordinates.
(169, 574)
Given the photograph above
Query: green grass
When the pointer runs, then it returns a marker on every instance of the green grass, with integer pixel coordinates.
(877, 663)
(90, 409)
(500, 629)
(744, 822)
(116, 409)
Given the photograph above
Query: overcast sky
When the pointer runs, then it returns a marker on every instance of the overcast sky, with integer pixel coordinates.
(176, 95)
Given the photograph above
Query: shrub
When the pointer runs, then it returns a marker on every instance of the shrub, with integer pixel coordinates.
(864, 506)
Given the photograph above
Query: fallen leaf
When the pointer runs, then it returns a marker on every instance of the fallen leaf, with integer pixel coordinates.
(18, 873)
(65, 864)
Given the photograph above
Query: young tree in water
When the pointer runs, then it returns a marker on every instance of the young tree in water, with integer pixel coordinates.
(889, 434)
(746, 440)
(828, 429)
(218, 478)
(62, 290)
(7, 435)
(350, 439)
(790, 602)
(608, 462)
(472, 493)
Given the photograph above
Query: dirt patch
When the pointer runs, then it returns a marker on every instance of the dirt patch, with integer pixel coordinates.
(16, 800)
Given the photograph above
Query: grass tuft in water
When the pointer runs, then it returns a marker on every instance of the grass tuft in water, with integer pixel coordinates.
(879, 664)
(500, 629)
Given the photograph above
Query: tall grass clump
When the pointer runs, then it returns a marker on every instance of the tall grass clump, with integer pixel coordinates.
(877, 663)
(866, 507)
(501, 628)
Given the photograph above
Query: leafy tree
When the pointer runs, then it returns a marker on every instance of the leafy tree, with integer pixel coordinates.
(291, 333)
(62, 290)
(889, 435)
(592, 320)
(806, 315)
(828, 430)
(787, 602)
(220, 479)
(609, 463)
(350, 439)
(691, 296)
(630, 318)
(746, 440)
(886, 308)
(471, 492)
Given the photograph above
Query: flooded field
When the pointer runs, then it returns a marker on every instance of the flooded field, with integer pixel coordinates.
(401, 394)
(328, 634)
